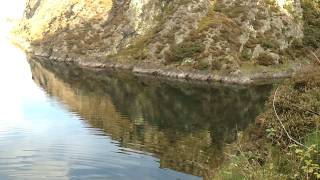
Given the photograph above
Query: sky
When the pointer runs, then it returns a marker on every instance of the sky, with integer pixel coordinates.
(11, 9)
(16, 83)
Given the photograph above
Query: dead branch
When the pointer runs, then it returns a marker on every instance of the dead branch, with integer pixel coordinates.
(279, 120)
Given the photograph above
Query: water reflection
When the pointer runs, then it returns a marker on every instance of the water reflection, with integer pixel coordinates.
(41, 139)
(184, 125)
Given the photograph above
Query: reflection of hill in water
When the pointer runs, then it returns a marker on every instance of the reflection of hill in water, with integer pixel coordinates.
(185, 126)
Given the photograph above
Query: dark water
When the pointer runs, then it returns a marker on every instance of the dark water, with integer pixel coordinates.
(71, 123)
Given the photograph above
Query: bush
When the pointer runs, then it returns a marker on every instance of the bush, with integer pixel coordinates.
(270, 44)
(246, 54)
(265, 59)
(187, 49)
(311, 17)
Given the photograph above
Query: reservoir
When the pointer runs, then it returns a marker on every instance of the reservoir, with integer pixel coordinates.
(59, 121)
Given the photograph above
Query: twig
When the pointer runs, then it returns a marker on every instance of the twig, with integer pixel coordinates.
(278, 118)
(318, 60)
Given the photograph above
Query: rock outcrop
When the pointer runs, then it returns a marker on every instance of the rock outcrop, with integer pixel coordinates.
(224, 36)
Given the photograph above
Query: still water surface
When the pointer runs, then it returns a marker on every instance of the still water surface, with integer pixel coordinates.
(62, 122)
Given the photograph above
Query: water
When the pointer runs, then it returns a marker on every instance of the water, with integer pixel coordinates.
(62, 122)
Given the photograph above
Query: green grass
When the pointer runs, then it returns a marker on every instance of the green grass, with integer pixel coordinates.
(313, 139)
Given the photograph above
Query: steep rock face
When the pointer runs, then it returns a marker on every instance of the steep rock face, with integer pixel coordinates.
(206, 35)
(108, 31)
(244, 30)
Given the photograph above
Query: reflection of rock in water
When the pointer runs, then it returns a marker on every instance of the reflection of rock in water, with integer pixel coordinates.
(182, 124)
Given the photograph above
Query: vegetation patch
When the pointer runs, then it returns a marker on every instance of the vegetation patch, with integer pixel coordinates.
(311, 17)
(214, 19)
(265, 59)
(284, 143)
(270, 44)
(186, 49)
(138, 49)
(246, 54)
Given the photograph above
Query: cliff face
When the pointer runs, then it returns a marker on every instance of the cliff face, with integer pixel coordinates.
(223, 35)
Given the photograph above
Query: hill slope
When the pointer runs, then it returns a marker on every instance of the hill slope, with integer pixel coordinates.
(225, 40)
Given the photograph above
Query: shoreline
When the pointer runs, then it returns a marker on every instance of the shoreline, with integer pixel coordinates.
(167, 72)
(175, 74)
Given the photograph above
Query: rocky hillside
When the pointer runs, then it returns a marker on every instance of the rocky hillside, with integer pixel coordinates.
(199, 39)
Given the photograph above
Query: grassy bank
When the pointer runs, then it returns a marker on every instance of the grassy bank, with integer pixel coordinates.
(284, 143)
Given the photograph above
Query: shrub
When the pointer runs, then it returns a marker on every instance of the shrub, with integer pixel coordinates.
(311, 17)
(246, 54)
(265, 59)
(186, 49)
(270, 44)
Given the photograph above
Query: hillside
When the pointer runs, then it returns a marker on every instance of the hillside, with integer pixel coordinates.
(223, 40)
